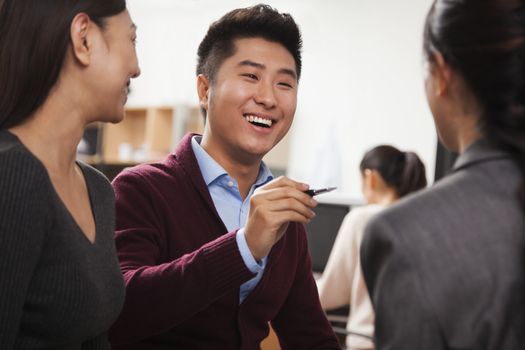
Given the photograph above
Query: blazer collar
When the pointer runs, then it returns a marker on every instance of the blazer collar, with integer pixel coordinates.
(479, 151)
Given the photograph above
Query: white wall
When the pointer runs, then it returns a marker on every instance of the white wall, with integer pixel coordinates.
(361, 83)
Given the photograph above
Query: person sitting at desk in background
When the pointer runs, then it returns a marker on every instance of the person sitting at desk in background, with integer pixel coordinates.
(387, 174)
(445, 268)
(211, 249)
(63, 64)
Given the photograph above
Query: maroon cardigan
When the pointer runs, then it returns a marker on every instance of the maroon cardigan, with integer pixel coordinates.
(183, 270)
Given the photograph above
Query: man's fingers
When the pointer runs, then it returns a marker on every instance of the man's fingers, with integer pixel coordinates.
(289, 205)
(291, 216)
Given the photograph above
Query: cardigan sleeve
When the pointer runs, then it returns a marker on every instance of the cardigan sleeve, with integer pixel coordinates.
(160, 295)
(301, 322)
(22, 231)
(404, 319)
(336, 282)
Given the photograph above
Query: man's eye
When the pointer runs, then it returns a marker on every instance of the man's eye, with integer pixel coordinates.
(285, 85)
(249, 75)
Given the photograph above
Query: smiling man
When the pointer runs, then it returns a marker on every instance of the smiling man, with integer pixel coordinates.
(212, 248)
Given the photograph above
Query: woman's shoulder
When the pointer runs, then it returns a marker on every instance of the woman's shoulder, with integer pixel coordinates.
(10, 144)
(17, 163)
(435, 213)
(24, 184)
(369, 209)
(363, 213)
(439, 200)
(356, 220)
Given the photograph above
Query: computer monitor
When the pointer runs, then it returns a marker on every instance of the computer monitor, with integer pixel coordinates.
(322, 231)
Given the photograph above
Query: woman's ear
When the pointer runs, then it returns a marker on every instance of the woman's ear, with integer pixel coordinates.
(441, 73)
(203, 87)
(368, 179)
(376, 181)
(369, 185)
(81, 38)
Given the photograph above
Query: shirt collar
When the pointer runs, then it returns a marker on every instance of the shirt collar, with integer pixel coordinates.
(264, 176)
(211, 170)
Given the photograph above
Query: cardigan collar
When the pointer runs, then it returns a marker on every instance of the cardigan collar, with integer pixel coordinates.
(186, 158)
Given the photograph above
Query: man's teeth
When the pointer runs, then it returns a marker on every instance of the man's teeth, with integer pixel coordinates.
(258, 120)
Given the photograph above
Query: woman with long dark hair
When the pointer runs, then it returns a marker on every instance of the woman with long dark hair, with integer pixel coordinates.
(446, 268)
(63, 64)
(387, 174)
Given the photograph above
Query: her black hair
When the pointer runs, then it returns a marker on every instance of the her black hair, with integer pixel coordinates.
(403, 171)
(484, 40)
(34, 38)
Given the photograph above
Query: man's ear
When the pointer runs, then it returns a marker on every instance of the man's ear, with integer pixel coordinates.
(81, 37)
(441, 74)
(203, 87)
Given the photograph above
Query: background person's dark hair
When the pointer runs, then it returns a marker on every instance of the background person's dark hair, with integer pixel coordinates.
(257, 21)
(403, 171)
(34, 37)
(484, 40)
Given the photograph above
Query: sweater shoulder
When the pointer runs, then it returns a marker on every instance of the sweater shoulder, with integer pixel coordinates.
(25, 190)
(19, 168)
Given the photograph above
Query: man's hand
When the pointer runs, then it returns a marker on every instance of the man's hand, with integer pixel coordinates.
(272, 207)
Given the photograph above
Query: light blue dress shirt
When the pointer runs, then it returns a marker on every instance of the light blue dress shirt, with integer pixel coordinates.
(232, 210)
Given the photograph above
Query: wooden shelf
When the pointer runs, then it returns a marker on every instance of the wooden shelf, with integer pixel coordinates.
(145, 133)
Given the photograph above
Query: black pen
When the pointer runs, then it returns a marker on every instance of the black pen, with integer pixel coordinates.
(312, 193)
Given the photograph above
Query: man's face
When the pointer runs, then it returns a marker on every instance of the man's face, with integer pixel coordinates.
(251, 104)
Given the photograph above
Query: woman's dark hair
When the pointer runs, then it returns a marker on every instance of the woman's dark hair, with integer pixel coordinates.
(260, 21)
(403, 171)
(34, 37)
(484, 40)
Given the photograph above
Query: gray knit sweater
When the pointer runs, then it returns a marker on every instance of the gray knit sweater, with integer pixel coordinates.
(57, 289)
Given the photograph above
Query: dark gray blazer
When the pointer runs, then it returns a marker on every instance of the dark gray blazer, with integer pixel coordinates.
(445, 267)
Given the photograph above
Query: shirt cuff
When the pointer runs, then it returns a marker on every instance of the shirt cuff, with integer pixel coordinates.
(246, 254)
